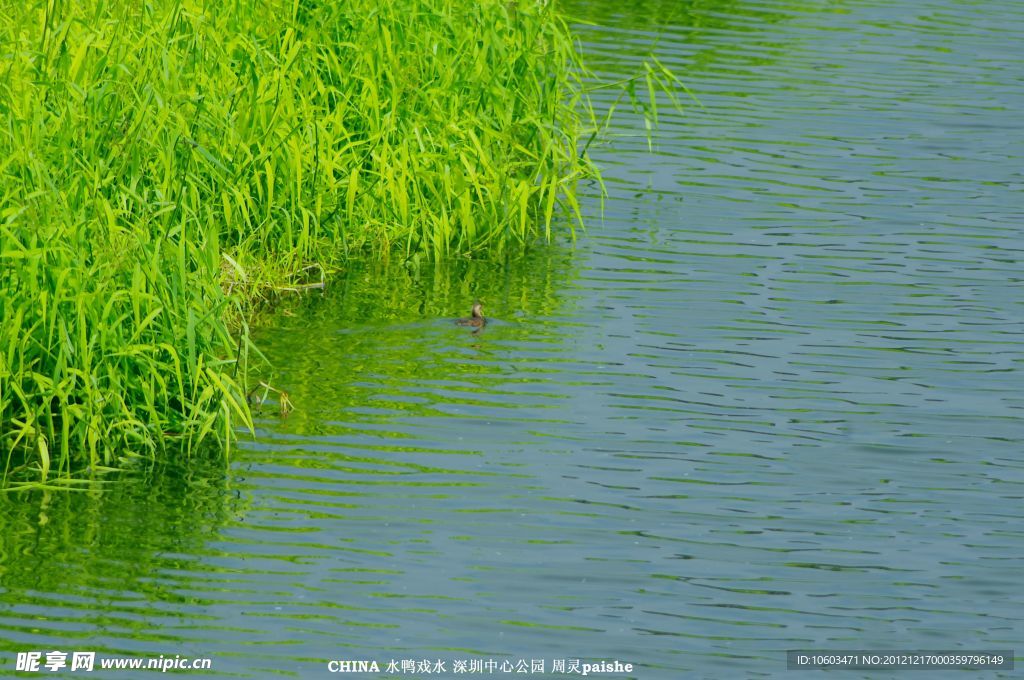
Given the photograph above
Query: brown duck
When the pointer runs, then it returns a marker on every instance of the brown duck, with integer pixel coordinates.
(477, 320)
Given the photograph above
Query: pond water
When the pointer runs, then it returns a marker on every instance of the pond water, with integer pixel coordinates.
(770, 400)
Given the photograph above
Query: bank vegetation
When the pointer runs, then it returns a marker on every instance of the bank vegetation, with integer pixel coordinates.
(166, 165)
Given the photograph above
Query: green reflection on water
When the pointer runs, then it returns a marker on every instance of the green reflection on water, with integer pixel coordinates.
(381, 341)
(104, 559)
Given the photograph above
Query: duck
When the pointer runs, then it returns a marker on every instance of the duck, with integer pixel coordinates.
(477, 319)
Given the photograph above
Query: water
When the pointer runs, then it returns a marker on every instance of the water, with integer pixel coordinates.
(770, 401)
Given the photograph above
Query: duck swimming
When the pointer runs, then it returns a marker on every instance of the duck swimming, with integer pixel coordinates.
(477, 320)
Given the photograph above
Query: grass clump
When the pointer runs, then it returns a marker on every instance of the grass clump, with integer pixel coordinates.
(157, 157)
(112, 349)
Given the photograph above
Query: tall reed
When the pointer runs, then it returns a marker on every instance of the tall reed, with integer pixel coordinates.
(154, 156)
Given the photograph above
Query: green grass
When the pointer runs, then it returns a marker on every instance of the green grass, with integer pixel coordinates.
(161, 161)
